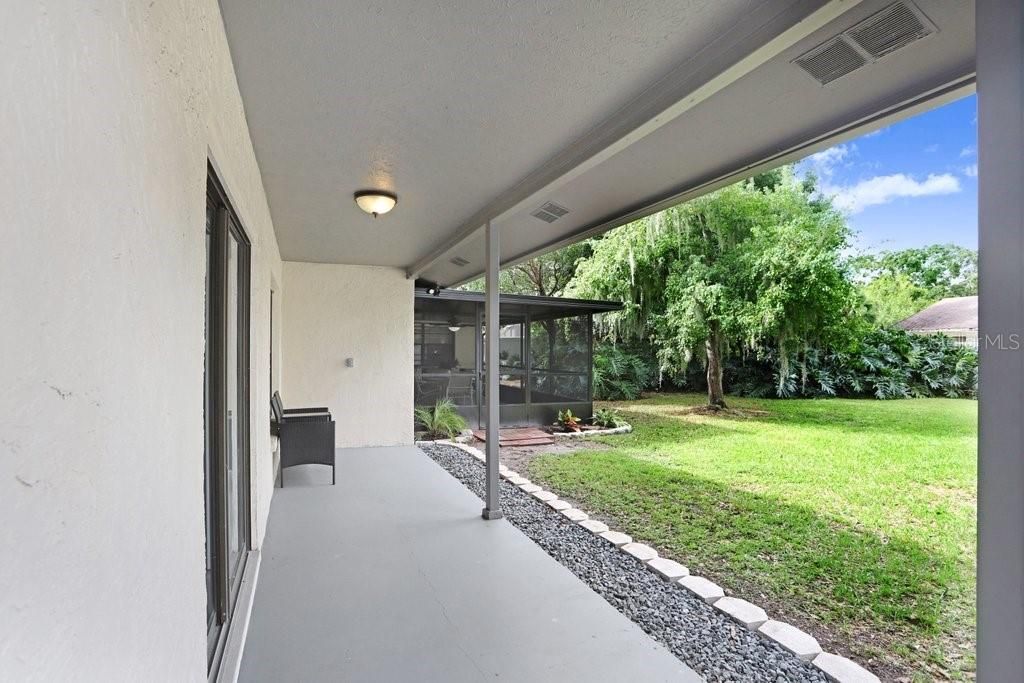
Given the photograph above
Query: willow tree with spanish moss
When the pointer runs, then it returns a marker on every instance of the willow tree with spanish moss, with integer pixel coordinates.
(754, 265)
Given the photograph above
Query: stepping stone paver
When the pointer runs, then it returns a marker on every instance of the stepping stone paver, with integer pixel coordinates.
(530, 488)
(616, 538)
(642, 552)
(575, 514)
(791, 638)
(748, 614)
(842, 670)
(518, 480)
(558, 504)
(669, 570)
(594, 526)
(544, 495)
(706, 590)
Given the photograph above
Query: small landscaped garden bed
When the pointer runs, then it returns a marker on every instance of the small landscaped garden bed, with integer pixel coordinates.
(854, 519)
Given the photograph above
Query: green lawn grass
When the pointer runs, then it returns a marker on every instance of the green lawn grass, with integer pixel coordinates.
(856, 516)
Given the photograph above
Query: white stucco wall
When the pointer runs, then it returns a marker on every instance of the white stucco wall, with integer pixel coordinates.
(335, 312)
(109, 113)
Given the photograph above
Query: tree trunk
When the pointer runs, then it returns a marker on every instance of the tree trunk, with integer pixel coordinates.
(552, 339)
(713, 345)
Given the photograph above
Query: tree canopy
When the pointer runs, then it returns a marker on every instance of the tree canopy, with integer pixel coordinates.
(897, 284)
(753, 264)
(892, 298)
(942, 270)
(546, 275)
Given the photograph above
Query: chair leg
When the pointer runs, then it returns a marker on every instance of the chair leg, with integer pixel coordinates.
(332, 474)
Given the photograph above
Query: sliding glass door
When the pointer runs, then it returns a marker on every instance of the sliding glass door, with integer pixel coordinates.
(226, 391)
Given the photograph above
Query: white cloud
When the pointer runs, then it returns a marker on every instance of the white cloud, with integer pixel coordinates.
(824, 162)
(880, 189)
(883, 189)
(930, 149)
(971, 171)
(968, 151)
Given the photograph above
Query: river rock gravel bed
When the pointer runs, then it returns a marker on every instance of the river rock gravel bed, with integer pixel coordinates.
(707, 641)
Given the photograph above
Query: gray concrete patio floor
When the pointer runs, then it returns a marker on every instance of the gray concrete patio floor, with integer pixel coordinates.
(393, 576)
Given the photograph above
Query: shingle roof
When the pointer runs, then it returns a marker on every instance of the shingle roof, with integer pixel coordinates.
(955, 313)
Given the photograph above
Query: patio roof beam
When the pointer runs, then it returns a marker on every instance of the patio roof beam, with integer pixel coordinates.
(767, 31)
(492, 505)
(955, 85)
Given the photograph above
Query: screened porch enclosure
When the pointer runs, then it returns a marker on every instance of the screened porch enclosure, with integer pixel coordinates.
(545, 352)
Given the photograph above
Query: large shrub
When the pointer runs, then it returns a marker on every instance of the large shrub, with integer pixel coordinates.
(883, 363)
(621, 373)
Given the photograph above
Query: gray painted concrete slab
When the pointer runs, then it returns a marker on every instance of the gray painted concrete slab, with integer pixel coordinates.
(391, 575)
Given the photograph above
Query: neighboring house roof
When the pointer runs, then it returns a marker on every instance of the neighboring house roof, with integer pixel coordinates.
(955, 313)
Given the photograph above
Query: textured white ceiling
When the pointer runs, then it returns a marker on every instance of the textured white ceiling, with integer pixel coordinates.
(452, 103)
(447, 103)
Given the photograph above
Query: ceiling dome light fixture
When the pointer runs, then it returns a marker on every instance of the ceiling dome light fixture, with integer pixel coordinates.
(376, 202)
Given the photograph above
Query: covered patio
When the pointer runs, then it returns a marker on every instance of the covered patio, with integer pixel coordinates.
(183, 240)
(390, 576)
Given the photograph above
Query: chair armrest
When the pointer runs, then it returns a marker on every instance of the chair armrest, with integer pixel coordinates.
(297, 411)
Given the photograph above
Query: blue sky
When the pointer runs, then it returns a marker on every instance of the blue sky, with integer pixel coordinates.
(908, 185)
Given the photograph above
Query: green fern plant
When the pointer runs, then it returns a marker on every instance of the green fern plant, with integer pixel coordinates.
(620, 375)
(440, 421)
(609, 418)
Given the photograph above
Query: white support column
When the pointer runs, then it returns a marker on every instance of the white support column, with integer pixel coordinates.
(492, 327)
(1000, 69)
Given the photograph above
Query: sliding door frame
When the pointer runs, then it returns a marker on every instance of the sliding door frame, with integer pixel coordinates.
(226, 583)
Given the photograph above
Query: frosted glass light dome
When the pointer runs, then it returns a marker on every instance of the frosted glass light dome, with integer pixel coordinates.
(376, 202)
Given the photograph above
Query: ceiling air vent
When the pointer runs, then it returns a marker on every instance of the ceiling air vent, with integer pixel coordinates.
(459, 261)
(550, 212)
(896, 26)
(832, 60)
(884, 32)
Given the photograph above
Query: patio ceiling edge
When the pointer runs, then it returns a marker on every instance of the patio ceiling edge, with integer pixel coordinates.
(769, 29)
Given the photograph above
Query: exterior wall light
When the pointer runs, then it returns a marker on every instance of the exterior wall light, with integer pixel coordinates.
(375, 202)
